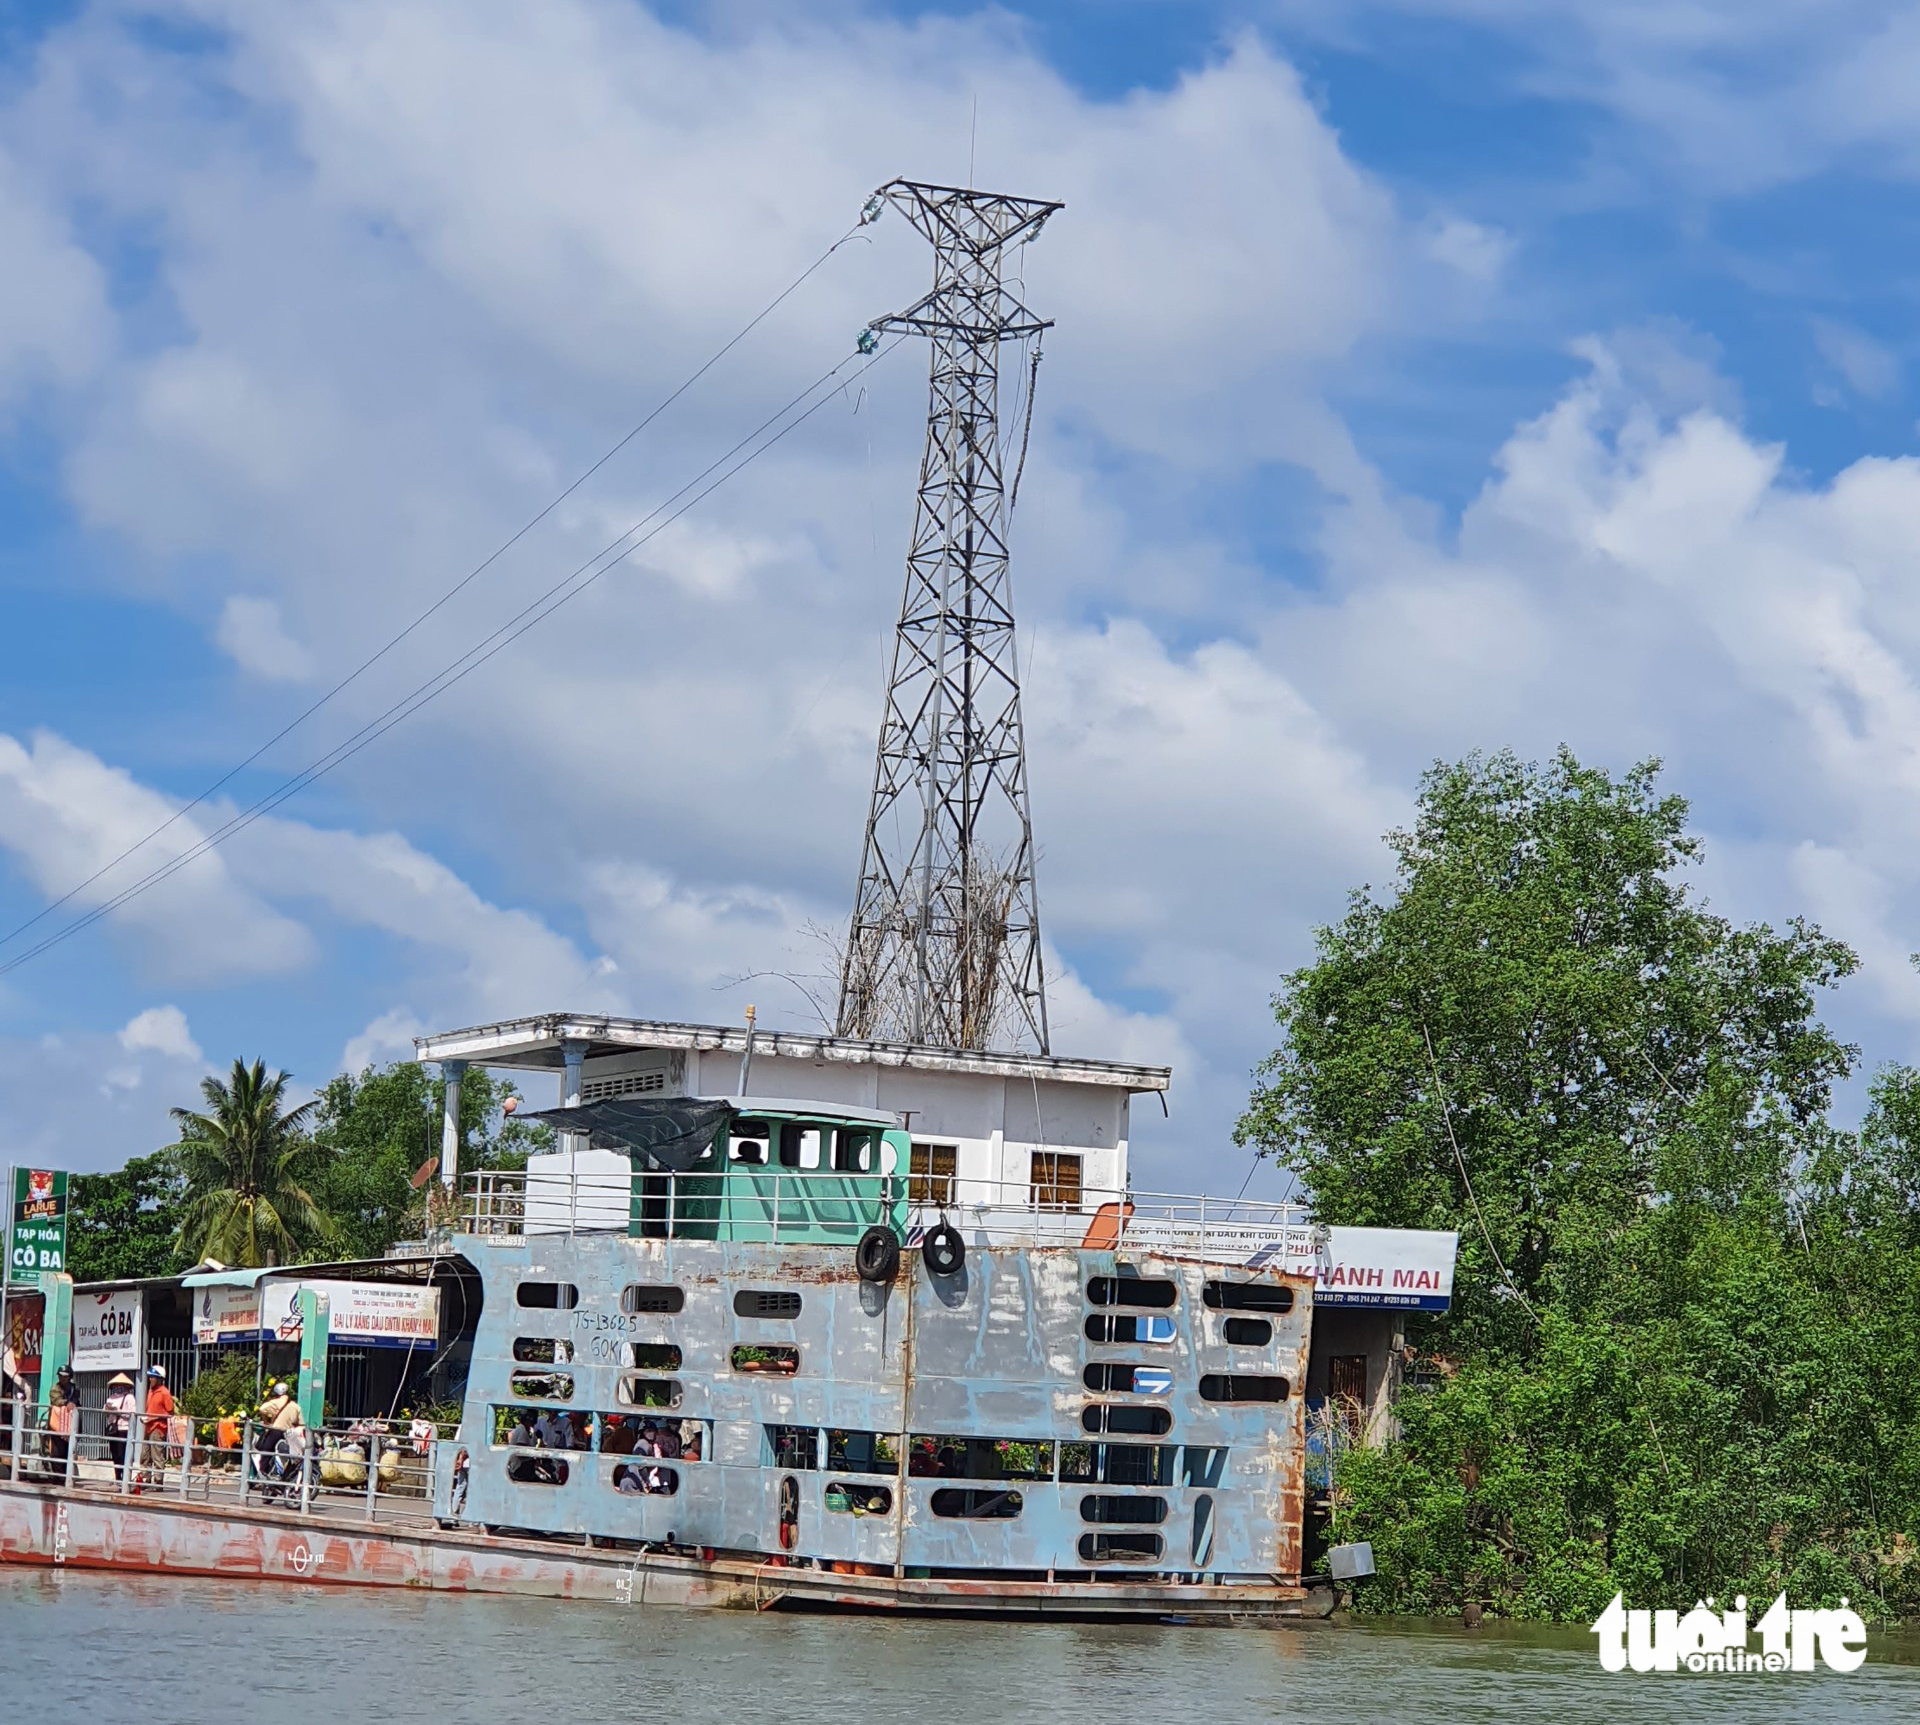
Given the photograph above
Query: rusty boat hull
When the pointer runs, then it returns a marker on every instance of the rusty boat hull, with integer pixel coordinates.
(61, 1528)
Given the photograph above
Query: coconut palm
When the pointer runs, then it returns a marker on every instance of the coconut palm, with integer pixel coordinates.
(245, 1162)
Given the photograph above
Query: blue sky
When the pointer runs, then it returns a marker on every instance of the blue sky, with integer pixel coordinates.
(1429, 375)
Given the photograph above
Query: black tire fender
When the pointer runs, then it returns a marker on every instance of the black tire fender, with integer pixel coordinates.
(877, 1257)
(943, 1251)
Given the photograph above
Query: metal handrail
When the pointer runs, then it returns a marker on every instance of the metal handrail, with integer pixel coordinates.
(512, 1204)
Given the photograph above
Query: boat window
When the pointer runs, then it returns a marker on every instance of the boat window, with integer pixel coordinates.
(845, 1497)
(1151, 1291)
(650, 1356)
(1120, 1547)
(1215, 1387)
(542, 1351)
(1247, 1297)
(542, 1428)
(651, 1297)
(749, 1143)
(975, 1503)
(1140, 1421)
(853, 1150)
(799, 1145)
(777, 1362)
(766, 1303)
(1124, 1327)
(644, 1434)
(547, 1296)
(1056, 1180)
(1118, 1463)
(1106, 1378)
(941, 1457)
(1248, 1332)
(638, 1392)
(793, 1446)
(1139, 1511)
(930, 1173)
(543, 1386)
(1203, 1466)
(530, 1468)
(862, 1452)
(644, 1479)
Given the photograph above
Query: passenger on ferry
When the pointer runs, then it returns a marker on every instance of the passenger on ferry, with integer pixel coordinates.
(119, 1412)
(550, 1430)
(626, 1478)
(617, 1434)
(690, 1435)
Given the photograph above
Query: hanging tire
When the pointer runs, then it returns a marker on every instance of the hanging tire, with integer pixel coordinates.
(943, 1251)
(877, 1257)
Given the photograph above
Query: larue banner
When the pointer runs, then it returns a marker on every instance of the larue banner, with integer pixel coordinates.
(37, 1235)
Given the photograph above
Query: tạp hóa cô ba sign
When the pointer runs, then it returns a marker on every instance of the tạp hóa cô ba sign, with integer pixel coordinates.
(37, 1242)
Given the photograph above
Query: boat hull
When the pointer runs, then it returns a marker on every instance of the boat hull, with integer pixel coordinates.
(60, 1528)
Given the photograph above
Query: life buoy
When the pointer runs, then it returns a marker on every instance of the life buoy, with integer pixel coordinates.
(943, 1251)
(877, 1257)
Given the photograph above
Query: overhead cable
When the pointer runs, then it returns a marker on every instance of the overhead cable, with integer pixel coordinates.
(569, 587)
(445, 598)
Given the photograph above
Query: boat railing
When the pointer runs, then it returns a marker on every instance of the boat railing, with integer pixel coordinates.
(363, 1471)
(789, 1204)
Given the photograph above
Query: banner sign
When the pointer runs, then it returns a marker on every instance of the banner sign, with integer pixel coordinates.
(38, 1230)
(375, 1314)
(1406, 1268)
(20, 1339)
(1409, 1268)
(106, 1331)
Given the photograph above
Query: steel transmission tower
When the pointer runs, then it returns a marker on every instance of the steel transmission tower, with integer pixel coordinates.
(944, 946)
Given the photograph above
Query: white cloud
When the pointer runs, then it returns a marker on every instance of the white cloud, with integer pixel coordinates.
(160, 1030)
(1866, 367)
(252, 635)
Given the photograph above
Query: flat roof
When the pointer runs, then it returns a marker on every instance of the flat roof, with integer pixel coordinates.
(537, 1044)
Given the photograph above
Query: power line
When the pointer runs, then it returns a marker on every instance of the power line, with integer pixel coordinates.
(569, 587)
(451, 593)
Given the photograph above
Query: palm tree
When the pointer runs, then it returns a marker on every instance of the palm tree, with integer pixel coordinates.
(244, 1163)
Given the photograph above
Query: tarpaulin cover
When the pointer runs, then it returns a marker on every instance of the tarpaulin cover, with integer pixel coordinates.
(671, 1132)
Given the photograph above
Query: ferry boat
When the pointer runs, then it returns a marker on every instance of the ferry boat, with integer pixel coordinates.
(851, 1309)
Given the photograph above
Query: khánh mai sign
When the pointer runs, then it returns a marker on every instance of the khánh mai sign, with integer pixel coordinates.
(37, 1244)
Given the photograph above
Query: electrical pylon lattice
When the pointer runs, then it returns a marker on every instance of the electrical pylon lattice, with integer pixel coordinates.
(944, 946)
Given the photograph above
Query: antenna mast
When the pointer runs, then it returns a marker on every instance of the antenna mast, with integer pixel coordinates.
(944, 947)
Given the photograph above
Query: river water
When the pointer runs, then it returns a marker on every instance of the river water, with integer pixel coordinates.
(92, 1647)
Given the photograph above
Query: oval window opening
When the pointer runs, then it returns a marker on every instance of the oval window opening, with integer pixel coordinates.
(651, 1297)
(547, 1296)
(960, 1503)
(649, 1392)
(1217, 1387)
(542, 1351)
(543, 1386)
(645, 1479)
(849, 1497)
(779, 1362)
(1152, 1293)
(537, 1469)
(1120, 1547)
(766, 1303)
(651, 1356)
(1247, 1297)
(1139, 1511)
(1137, 1421)
(1248, 1332)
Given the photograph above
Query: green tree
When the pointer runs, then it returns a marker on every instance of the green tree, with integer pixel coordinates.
(382, 1126)
(1541, 1031)
(126, 1223)
(247, 1164)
